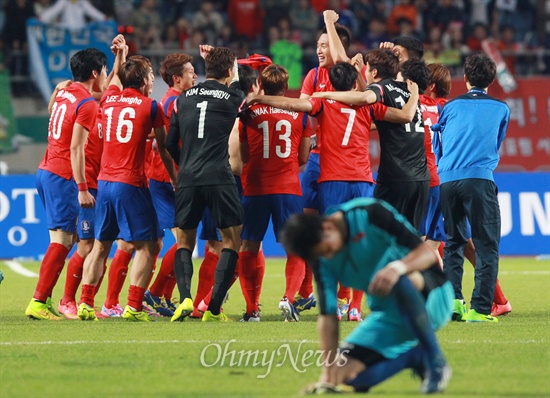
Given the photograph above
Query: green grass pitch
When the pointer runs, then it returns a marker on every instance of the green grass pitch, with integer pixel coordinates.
(115, 358)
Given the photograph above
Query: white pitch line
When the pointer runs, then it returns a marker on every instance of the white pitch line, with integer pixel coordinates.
(524, 272)
(77, 342)
(19, 269)
(82, 342)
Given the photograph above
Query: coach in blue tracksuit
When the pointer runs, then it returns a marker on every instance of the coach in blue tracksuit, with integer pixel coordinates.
(471, 129)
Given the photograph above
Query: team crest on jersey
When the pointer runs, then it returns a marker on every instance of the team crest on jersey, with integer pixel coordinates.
(85, 226)
(357, 237)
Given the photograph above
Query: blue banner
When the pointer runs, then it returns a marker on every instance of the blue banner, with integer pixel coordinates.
(524, 204)
(51, 48)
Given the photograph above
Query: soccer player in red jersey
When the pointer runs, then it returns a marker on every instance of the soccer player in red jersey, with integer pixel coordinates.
(440, 84)
(336, 45)
(317, 80)
(274, 144)
(125, 208)
(178, 72)
(86, 217)
(344, 159)
(61, 179)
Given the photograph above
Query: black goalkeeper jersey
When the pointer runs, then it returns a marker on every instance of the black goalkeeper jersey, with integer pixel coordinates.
(402, 152)
(203, 117)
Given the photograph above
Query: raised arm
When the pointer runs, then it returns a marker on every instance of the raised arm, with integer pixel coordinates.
(337, 51)
(359, 63)
(119, 45)
(290, 104)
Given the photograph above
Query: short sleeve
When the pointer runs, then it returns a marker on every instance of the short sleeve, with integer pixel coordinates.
(87, 114)
(316, 106)
(327, 284)
(159, 118)
(378, 90)
(378, 111)
(243, 137)
(308, 86)
(307, 128)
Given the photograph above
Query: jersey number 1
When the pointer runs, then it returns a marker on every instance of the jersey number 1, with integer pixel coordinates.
(202, 116)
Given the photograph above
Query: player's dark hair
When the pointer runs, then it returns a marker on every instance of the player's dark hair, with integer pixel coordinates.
(301, 233)
(343, 76)
(441, 77)
(343, 33)
(247, 78)
(274, 80)
(417, 71)
(133, 72)
(384, 61)
(84, 62)
(173, 65)
(414, 47)
(480, 70)
(218, 61)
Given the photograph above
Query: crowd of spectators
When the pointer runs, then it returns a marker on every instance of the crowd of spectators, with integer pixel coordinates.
(287, 29)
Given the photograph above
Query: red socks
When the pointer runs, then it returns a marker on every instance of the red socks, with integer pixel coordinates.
(247, 276)
(50, 269)
(87, 296)
(135, 297)
(258, 281)
(294, 272)
(169, 288)
(307, 284)
(206, 276)
(356, 299)
(499, 297)
(117, 277)
(165, 272)
(74, 277)
(344, 293)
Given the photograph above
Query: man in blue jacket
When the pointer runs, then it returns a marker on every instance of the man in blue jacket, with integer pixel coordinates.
(471, 129)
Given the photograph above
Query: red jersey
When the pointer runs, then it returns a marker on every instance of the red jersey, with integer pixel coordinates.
(128, 117)
(441, 102)
(246, 17)
(273, 136)
(73, 104)
(156, 170)
(345, 134)
(93, 151)
(317, 80)
(430, 114)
